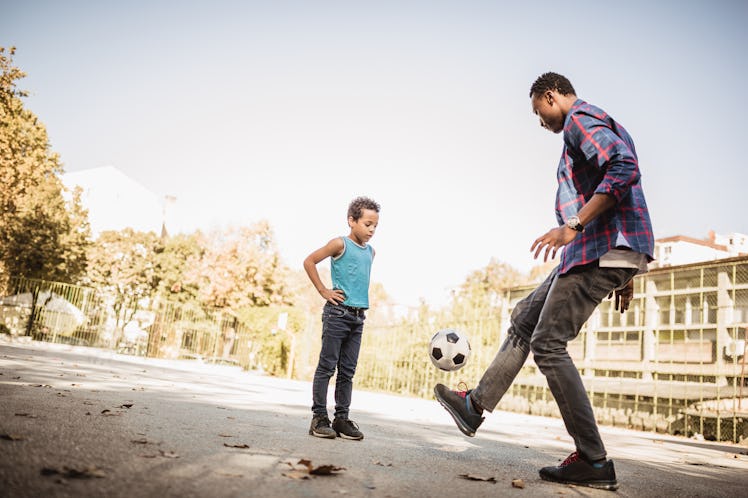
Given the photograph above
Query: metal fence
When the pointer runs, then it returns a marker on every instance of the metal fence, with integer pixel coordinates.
(675, 362)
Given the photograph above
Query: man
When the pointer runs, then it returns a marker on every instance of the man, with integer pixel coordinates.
(605, 235)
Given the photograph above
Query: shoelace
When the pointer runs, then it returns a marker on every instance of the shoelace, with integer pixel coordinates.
(352, 423)
(570, 459)
(462, 389)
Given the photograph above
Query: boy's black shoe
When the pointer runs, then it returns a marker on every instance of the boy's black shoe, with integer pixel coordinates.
(346, 428)
(576, 470)
(321, 427)
(458, 404)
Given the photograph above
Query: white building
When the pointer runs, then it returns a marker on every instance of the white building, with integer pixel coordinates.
(681, 250)
(115, 201)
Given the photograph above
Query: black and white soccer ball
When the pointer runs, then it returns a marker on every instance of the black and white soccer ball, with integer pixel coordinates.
(449, 350)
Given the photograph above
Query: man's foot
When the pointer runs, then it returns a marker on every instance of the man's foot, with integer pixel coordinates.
(321, 427)
(576, 470)
(458, 404)
(346, 428)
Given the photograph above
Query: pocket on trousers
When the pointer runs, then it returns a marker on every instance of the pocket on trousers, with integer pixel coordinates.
(610, 279)
(331, 312)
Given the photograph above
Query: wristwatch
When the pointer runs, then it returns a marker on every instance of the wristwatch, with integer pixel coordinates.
(573, 223)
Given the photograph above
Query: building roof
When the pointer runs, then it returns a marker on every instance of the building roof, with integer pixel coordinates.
(115, 201)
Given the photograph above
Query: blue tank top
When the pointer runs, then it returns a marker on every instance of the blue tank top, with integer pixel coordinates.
(351, 271)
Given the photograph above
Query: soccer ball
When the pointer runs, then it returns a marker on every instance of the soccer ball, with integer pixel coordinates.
(449, 350)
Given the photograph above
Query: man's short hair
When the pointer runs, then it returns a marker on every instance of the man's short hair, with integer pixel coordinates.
(357, 205)
(552, 81)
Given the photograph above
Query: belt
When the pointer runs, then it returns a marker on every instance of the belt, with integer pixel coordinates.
(352, 310)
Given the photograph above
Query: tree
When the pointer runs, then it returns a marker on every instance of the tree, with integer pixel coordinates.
(480, 293)
(238, 268)
(122, 266)
(42, 234)
(172, 261)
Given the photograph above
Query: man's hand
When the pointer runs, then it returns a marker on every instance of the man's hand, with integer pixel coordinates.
(623, 296)
(552, 241)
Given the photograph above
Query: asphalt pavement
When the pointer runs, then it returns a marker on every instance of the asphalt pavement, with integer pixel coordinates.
(83, 422)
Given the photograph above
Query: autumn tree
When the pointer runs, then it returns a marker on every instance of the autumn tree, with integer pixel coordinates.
(173, 258)
(122, 266)
(238, 268)
(480, 293)
(44, 231)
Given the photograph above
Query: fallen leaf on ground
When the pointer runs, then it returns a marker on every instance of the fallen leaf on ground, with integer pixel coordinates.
(473, 477)
(85, 473)
(325, 470)
(309, 469)
(11, 437)
(243, 446)
(518, 483)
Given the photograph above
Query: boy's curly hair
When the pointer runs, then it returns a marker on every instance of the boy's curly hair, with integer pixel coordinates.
(358, 204)
(552, 81)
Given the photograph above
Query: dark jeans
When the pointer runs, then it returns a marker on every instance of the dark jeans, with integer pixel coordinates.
(341, 342)
(544, 322)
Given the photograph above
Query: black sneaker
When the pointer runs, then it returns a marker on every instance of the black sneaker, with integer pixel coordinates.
(346, 428)
(576, 470)
(458, 404)
(321, 427)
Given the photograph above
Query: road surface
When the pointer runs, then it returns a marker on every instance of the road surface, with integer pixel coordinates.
(84, 422)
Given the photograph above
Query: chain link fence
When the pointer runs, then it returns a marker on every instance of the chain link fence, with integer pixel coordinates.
(674, 363)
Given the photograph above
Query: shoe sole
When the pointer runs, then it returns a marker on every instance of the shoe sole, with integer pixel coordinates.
(321, 435)
(461, 424)
(606, 485)
(352, 438)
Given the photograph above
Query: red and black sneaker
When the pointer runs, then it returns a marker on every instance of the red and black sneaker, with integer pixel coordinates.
(576, 470)
(458, 404)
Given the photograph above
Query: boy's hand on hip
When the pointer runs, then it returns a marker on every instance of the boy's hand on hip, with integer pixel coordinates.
(552, 241)
(333, 296)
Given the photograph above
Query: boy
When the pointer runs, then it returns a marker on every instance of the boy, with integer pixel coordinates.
(342, 317)
(606, 236)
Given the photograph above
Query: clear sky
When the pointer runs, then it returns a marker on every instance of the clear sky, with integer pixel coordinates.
(286, 110)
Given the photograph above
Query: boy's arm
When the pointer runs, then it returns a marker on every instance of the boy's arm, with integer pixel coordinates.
(331, 249)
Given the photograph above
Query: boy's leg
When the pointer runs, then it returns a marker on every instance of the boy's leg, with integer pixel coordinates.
(514, 351)
(571, 300)
(334, 330)
(349, 350)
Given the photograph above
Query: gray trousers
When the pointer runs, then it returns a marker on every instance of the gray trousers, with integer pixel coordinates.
(544, 322)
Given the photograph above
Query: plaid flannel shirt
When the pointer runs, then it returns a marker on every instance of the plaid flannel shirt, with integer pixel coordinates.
(599, 158)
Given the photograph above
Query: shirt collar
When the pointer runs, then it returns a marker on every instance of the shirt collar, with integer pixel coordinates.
(574, 108)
